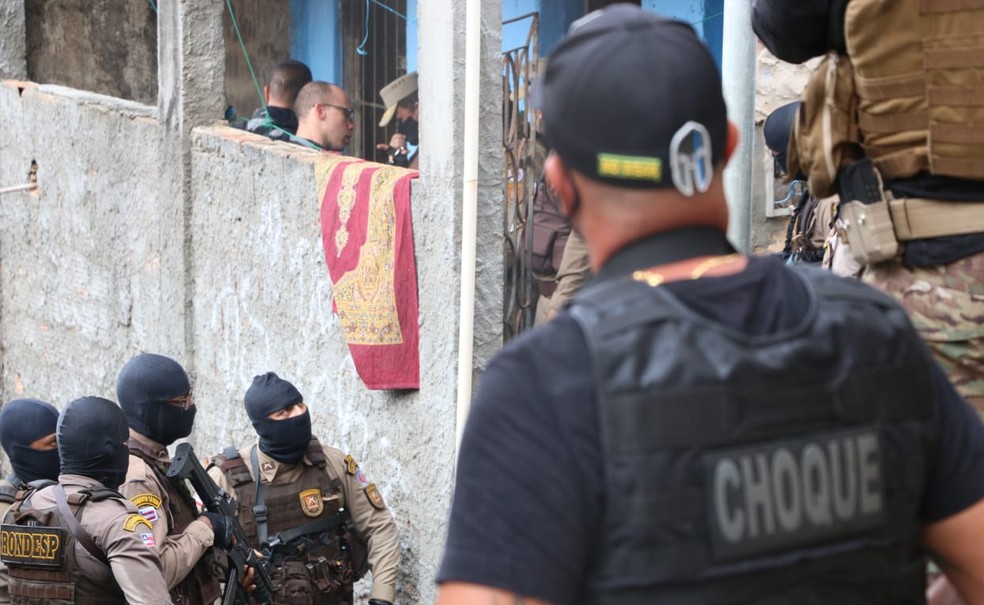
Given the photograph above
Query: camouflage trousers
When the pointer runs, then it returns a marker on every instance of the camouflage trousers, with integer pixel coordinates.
(946, 305)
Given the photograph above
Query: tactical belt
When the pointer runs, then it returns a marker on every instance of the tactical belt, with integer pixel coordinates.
(917, 218)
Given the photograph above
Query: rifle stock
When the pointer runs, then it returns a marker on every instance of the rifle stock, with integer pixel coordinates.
(185, 465)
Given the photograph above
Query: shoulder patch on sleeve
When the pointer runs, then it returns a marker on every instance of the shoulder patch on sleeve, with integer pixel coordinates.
(142, 500)
(350, 464)
(375, 498)
(133, 521)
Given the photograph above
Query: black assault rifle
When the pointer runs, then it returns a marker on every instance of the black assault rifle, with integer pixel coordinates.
(185, 465)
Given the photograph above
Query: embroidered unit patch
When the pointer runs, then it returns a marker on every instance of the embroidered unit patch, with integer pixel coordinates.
(375, 498)
(311, 502)
(142, 500)
(132, 521)
(148, 539)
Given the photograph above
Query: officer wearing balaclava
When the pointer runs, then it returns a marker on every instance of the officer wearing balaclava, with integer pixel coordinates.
(156, 396)
(93, 518)
(303, 487)
(27, 434)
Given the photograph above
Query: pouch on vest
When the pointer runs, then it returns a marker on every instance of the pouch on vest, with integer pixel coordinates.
(865, 221)
(825, 133)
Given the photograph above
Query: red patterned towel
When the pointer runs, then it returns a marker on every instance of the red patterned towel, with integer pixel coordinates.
(367, 235)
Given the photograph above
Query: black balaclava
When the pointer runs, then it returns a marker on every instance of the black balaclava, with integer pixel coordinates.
(91, 436)
(22, 422)
(283, 440)
(410, 128)
(144, 385)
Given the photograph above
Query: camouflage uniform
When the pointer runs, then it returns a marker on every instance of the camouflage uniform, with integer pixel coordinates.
(946, 305)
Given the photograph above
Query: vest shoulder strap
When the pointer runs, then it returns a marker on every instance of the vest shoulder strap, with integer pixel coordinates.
(8, 493)
(102, 493)
(233, 467)
(316, 453)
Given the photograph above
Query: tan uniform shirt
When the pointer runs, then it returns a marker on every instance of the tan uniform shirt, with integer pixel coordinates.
(574, 270)
(111, 524)
(374, 524)
(178, 552)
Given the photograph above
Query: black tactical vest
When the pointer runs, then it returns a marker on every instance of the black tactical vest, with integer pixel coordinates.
(312, 569)
(785, 468)
(200, 586)
(39, 551)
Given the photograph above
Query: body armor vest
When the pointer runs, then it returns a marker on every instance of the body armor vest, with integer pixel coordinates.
(199, 586)
(785, 468)
(53, 577)
(919, 74)
(312, 569)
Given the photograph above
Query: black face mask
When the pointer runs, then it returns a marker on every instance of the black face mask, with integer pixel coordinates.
(143, 387)
(410, 129)
(22, 422)
(284, 440)
(91, 436)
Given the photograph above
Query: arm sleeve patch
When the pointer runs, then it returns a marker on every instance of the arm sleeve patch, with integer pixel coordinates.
(142, 500)
(133, 521)
(375, 498)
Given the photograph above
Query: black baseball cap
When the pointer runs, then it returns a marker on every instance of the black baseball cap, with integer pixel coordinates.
(633, 99)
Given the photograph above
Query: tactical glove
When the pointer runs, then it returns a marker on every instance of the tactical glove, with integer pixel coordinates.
(221, 528)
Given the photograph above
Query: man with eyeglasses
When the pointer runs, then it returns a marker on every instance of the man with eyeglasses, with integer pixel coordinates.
(325, 117)
(155, 394)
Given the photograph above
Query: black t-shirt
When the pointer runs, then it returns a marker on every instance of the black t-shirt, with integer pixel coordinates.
(528, 500)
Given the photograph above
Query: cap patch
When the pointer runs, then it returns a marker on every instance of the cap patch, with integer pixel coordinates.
(148, 539)
(690, 159)
(311, 502)
(634, 167)
(375, 498)
(132, 521)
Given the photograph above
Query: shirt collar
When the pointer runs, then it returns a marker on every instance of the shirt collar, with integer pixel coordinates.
(662, 249)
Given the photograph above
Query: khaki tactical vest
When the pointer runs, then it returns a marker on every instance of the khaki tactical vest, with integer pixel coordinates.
(919, 74)
(199, 586)
(314, 569)
(46, 573)
(786, 468)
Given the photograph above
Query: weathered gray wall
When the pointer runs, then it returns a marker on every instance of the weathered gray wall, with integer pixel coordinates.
(104, 46)
(266, 29)
(13, 40)
(81, 269)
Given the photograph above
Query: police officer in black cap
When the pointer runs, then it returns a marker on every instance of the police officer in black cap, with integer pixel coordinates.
(156, 396)
(685, 432)
(27, 434)
(79, 541)
(310, 507)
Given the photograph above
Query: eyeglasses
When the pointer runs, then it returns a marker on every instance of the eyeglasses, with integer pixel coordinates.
(184, 401)
(349, 112)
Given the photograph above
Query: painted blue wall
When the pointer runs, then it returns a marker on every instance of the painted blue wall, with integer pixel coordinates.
(411, 35)
(316, 37)
(707, 17)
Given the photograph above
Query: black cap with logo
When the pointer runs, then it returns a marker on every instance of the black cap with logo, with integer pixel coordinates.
(635, 100)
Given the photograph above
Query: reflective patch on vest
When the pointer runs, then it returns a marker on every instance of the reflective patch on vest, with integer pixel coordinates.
(32, 546)
(350, 464)
(148, 539)
(132, 521)
(793, 493)
(142, 500)
(311, 502)
(375, 498)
